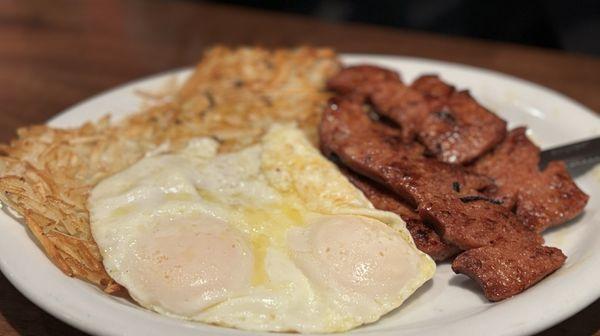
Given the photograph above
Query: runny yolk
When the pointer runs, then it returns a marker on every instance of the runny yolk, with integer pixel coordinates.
(267, 227)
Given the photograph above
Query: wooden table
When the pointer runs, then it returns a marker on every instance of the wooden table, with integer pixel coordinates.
(54, 54)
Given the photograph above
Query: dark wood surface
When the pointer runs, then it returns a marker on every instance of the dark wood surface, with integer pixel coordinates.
(54, 54)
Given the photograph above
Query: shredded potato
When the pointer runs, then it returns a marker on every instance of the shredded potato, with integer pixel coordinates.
(233, 95)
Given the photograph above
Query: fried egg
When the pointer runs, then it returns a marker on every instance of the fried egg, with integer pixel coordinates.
(270, 238)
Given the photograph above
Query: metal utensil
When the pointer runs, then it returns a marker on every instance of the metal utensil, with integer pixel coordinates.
(579, 156)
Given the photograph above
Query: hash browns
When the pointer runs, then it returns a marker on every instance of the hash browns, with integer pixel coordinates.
(233, 95)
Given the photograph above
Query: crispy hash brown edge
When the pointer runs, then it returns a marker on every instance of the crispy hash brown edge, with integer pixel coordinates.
(233, 95)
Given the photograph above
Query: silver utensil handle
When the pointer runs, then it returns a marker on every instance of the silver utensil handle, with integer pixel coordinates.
(577, 156)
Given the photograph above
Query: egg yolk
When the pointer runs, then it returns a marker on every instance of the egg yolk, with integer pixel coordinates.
(188, 265)
(357, 253)
(265, 228)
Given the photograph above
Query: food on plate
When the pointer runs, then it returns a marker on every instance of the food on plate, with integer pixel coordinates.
(504, 270)
(541, 199)
(449, 123)
(271, 237)
(425, 237)
(214, 204)
(419, 141)
(208, 139)
(445, 195)
(234, 95)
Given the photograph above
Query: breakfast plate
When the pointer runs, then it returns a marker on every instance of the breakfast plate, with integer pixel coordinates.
(449, 304)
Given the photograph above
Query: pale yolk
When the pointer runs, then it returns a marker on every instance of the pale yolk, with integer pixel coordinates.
(357, 253)
(188, 265)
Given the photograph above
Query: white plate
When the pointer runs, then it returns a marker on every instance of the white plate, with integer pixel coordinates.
(447, 305)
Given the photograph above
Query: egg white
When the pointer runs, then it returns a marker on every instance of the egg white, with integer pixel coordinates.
(269, 238)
